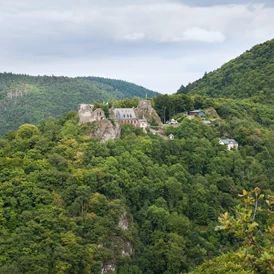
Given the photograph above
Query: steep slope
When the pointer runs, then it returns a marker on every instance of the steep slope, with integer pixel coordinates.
(28, 99)
(142, 204)
(250, 74)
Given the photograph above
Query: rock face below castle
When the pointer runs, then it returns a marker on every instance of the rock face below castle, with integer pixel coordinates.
(106, 130)
(139, 117)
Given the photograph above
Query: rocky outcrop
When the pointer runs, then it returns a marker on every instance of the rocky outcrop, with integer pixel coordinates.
(123, 221)
(106, 130)
(17, 93)
(109, 267)
(146, 112)
(121, 246)
(127, 250)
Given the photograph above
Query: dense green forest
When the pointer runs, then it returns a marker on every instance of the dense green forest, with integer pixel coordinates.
(251, 74)
(140, 204)
(28, 99)
(127, 89)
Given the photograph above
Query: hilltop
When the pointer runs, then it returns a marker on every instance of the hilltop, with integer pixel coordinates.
(250, 74)
(28, 99)
(141, 203)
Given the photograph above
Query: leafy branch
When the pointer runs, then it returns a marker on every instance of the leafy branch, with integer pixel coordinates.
(257, 240)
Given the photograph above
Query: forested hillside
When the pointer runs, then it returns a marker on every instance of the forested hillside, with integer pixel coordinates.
(251, 74)
(28, 99)
(143, 203)
(126, 88)
(139, 204)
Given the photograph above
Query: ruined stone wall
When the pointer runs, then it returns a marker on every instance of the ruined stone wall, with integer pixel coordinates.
(88, 115)
(98, 114)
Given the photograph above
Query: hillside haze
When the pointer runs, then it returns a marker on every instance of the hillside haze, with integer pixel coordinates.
(28, 99)
(250, 74)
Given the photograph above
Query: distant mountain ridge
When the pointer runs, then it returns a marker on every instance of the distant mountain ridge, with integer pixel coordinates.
(128, 88)
(250, 74)
(28, 99)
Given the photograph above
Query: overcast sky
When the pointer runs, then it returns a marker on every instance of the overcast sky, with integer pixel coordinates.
(159, 44)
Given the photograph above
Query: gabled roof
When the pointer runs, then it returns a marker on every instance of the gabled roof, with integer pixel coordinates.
(196, 110)
(124, 113)
(229, 141)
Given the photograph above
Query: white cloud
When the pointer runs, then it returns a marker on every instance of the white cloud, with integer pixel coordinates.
(155, 20)
(134, 36)
(203, 35)
(167, 34)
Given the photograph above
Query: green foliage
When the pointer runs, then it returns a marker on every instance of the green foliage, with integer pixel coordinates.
(119, 87)
(251, 74)
(189, 129)
(63, 194)
(127, 103)
(26, 131)
(167, 106)
(104, 107)
(256, 253)
(225, 264)
(257, 237)
(29, 99)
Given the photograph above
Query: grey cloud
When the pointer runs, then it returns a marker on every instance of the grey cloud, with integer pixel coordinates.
(87, 30)
(208, 3)
(70, 4)
(103, 37)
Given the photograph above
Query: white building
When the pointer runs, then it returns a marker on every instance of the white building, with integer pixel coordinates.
(230, 143)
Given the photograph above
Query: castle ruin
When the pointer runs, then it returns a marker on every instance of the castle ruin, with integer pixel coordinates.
(139, 117)
(87, 114)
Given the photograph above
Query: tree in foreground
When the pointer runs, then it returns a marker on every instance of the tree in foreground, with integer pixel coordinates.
(253, 225)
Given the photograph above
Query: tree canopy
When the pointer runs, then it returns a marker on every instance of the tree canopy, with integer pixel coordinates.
(142, 204)
(28, 99)
(250, 74)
